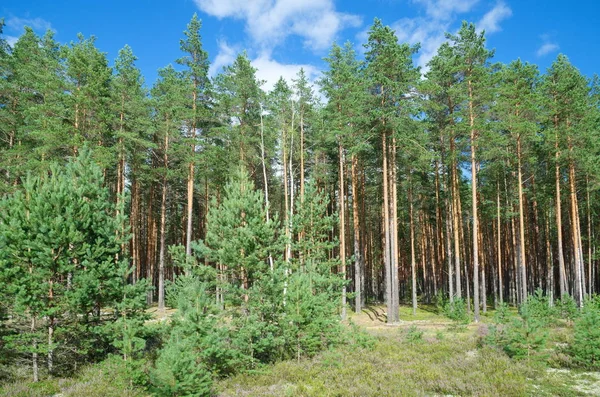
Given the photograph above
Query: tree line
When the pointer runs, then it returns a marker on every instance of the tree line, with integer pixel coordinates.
(470, 180)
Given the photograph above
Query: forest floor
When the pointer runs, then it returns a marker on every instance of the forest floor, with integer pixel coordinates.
(423, 355)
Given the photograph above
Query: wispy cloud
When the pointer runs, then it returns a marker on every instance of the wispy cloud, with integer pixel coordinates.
(11, 40)
(16, 24)
(491, 20)
(270, 70)
(270, 22)
(225, 57)
(440, 16)
(546, 48)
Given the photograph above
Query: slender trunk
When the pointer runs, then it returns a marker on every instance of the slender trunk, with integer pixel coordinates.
(358, 259)
(190, 182)
(483, 291)
(394, 232)
(589, 234)
(439, 233)
(163, 217)
(301, 155)
(522, 259)
(265, 179)
(386, 232)
(51, 329)
(561, 258)
(499, 243)
(474, 205)
(449, 215)
(342, 210)
(456, 219)
(412, 248)
(550, 264)
(34, 356)
(578, 291)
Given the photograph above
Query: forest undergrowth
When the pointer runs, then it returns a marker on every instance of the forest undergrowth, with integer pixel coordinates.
(426, 354)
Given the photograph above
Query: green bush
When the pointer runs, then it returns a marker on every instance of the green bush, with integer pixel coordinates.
(520, 338)
(457, 311)
(414, 335)
(585, 348)
(539, 308)
(567, 308)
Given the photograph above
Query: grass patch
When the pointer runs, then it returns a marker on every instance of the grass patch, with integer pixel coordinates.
(106, 379)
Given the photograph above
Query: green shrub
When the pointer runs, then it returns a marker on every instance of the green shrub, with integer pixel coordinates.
(539, 308)
(414, 335)
(520, 338)
(567, 308)
(585, 349)
(457, 311)
(179, 370)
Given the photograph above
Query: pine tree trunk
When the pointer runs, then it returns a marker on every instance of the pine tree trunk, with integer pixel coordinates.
(265, 179)
(412, 247)
(561, 258)
(394, 232)
(358, 259)
(34, 356)
(474, 204)
(342, 225)
(590, 237)
(163, 217)
(456, 219)
(301, 155)
(499, 242)
(386, 232)
(576, 236)
(190, 181)
(522, 259)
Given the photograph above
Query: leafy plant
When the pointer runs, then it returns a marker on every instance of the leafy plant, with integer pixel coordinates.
(585, 348)
(457, 311)
(414, 335)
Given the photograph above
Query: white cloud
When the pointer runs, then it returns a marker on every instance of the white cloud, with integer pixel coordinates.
(18, 24)
(225, 57)
(442, 10)
(269, 22)
(490, 22)
(440, 15)
(270, 71)
(430, 33)
(547, 48)
(11, 40)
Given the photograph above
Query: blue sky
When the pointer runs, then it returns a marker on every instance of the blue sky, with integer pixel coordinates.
(280, 36)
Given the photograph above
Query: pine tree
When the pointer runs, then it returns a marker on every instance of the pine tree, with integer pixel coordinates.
(196, 61)
(169, 94)
(469, 46)
(391, 76)
(58, 250)
(131, 123)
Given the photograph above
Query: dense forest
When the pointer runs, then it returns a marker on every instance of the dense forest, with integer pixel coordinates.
(264, 217)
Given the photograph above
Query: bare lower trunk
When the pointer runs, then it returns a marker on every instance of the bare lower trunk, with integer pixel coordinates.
(34, 356)
(561, 258)
(394, 232)
(474, 204)
(342, 225)
(265, 179)
(576, 236)
(163, 217)
(386, 232)
(161, 257)
(412, 250)
(499, 246)
(358, 259)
